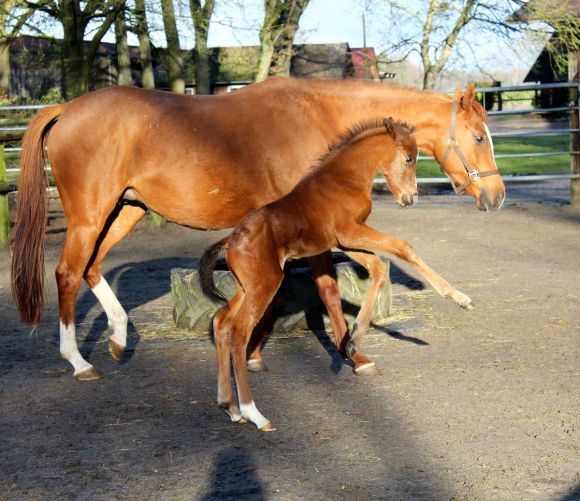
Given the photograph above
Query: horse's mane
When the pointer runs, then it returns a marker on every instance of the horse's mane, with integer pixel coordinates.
(401, 130)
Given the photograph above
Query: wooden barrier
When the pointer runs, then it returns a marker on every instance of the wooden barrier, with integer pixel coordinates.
(5, 188)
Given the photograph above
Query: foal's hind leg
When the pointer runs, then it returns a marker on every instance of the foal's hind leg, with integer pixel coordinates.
(125, 221)
(254, 304)
(221, 333)
(377, 271)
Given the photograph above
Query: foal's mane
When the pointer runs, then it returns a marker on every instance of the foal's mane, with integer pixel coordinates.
(400, 131)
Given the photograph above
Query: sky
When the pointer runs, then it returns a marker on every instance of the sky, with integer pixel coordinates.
(329, 21)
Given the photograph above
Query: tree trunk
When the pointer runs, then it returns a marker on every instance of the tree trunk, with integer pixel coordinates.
(282, 55)
(430, 77)
(124, 76)
(4, 66)
(147, 76)
(281, 19)
(266, 54)
(75, 82)
(174, 60)
(201, 17)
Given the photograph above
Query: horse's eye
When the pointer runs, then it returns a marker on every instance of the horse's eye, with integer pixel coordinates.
(479, 139)
(409, 160)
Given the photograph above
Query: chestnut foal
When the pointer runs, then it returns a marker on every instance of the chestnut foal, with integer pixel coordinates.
(328, 208)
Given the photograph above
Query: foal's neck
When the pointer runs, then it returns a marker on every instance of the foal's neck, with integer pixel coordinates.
(358, 161)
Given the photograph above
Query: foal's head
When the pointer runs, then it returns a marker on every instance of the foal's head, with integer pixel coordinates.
(399, 167)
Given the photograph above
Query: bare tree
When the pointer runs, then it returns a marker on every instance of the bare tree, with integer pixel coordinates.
(434, 28)
(75, 17)
(281, 19)
(174, 59)
(201, 17)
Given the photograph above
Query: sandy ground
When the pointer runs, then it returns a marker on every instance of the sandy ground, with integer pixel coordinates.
(468, 405)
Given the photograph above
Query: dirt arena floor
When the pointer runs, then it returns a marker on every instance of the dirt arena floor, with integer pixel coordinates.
(468, 405)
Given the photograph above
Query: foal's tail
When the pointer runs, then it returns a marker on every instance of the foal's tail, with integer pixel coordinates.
(31, 219)
(206, 266)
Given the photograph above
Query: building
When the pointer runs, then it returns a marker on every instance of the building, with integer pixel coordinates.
(36, 66)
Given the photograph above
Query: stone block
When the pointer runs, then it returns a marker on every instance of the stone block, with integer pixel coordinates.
(297, 306)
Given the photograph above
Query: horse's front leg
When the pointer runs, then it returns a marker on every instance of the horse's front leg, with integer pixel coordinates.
(325, 278)
(377, 271)
(365, 237)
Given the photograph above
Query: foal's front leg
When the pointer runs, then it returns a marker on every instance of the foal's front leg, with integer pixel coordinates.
(365, 237)
(377, 271)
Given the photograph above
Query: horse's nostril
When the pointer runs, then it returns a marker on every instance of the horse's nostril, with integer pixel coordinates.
(499, 200)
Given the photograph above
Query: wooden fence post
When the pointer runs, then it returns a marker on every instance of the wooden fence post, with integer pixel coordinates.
(4, 210)
(573, 73)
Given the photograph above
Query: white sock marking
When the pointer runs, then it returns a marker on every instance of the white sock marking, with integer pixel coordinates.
(69, 349)
(116, 315)
(251, 413)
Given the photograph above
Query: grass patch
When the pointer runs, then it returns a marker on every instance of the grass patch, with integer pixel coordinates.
(559, 164)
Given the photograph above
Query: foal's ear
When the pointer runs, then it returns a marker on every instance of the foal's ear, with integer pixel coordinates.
(468, 97)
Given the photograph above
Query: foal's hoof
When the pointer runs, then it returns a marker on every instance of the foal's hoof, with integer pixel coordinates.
(366, 369)
(88, 374)
(116, 350)
(268, 427)
(257, 365)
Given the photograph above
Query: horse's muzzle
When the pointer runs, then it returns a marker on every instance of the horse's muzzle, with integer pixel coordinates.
(490, 201)
(407, 200)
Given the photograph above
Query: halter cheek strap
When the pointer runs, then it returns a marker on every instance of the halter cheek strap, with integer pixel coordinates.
(473, 175)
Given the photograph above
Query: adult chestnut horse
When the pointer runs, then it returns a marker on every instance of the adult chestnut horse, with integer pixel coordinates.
(204, 162)
(327, 208)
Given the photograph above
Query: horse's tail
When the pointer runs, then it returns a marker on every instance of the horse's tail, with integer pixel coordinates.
(31, 219)
(206, 267)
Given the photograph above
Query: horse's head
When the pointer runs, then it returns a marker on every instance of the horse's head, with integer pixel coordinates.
(465, 152)
(400, 170)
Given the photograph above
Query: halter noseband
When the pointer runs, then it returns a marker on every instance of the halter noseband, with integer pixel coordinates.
(473, 175)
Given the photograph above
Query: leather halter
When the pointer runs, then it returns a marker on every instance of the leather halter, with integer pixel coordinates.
(473, 175)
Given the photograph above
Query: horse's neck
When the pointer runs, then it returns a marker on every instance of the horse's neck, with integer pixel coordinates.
(352, 102)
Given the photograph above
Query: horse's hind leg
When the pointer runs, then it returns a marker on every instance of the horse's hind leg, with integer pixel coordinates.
(377, 271)
(78, 249)
(124, 222)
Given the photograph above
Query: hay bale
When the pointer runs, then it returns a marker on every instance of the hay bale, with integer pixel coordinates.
(298, 305)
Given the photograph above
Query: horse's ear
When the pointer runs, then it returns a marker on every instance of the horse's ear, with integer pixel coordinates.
(468, 97)
(458, 93)
(389, 125)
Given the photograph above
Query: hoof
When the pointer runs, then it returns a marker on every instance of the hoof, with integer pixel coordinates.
(268, 427)
(242, 420)
(87, 374)
(366, 369)
(257, 365)
(117, 351)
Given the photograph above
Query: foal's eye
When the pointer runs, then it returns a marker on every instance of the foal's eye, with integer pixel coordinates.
(479, 139)
(409, 161)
